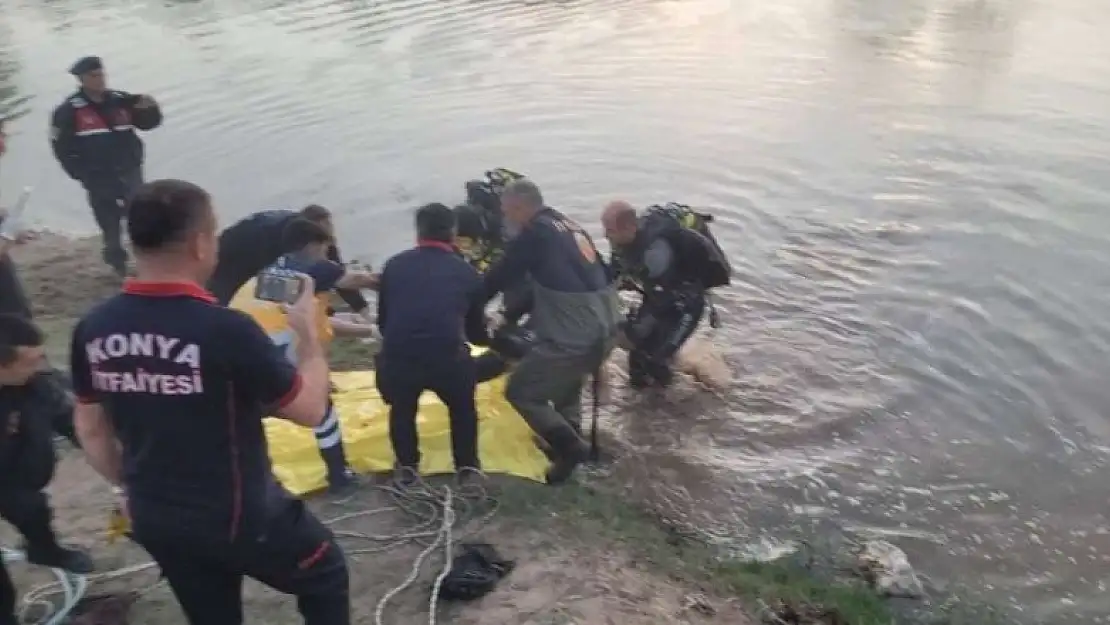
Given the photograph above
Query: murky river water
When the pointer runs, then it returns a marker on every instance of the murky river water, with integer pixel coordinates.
(910, 192)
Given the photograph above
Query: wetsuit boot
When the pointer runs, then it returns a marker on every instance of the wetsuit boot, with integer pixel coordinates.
(568, 450)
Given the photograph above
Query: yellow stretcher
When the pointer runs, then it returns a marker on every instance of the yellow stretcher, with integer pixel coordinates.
(505, 442)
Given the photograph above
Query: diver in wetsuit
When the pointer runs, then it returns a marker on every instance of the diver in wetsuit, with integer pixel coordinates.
(670, 254)
(254, 243)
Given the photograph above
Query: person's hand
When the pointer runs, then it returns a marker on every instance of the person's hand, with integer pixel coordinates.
(145, 102)
(374, 281)
(301, 315)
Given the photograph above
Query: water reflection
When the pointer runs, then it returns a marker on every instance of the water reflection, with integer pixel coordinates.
(11, 104)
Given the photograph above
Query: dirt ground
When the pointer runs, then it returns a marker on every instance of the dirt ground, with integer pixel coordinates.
(565, 574)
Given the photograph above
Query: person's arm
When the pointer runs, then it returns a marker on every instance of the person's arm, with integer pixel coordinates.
(344, 327)
(352, 297)
(261, 371)
(522, 253)
(518, 302)
(94, 429)
(146, 114)
(354, 279)
(658, 259)
(62, 135)
(475, 323)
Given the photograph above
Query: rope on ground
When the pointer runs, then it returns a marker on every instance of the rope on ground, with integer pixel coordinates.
(443, 536)
(434, 514)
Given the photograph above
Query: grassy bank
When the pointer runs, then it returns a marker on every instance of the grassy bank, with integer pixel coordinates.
(586, 553)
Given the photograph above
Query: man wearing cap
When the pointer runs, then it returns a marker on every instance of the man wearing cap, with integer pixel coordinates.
(94, 139)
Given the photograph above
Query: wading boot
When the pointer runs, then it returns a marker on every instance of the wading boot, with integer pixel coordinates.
(568, 450)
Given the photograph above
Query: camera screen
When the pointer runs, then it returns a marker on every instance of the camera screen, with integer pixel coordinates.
(277, 288)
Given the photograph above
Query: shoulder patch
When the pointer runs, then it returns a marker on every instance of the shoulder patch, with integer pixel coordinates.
(77, 102)
(54, 133)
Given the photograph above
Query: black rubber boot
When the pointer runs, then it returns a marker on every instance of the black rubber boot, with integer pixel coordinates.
(341, 478)
(568, 450)
(58, 557)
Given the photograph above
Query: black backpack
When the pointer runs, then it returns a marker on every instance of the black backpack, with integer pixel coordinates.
(715, 270)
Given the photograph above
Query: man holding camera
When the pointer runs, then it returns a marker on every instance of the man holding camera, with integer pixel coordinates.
(172, 390)
(93, 136)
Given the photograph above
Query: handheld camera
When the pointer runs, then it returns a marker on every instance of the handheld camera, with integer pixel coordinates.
(279, 286)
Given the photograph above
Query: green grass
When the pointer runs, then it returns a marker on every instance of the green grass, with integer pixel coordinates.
(590, 512)
(351, 355)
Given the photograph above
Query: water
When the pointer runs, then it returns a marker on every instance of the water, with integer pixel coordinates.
(910, 192)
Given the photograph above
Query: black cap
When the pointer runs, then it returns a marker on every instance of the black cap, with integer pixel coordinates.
(85, 65)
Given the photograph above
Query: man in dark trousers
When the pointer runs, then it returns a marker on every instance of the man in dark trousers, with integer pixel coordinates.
(574, 315)
(29, 403)
(199, 487)
(254, 243)
(429, 307)
(94, 139)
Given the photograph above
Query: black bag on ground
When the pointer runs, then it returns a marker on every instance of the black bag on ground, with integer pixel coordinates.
(474, 572)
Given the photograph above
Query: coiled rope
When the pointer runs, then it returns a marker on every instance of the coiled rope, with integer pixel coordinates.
(435, 519)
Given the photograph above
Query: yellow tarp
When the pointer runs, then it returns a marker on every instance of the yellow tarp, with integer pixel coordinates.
(505, 441)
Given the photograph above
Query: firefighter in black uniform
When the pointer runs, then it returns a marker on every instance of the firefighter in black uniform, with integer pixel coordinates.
(94, 139)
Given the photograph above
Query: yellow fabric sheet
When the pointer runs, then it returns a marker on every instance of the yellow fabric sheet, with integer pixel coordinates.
(505, 441)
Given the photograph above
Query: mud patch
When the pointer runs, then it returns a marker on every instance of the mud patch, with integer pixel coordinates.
(64, 277)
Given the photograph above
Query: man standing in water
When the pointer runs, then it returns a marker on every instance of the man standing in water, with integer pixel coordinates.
(94, 140)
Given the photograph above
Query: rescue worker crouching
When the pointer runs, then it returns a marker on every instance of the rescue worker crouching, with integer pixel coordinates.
(675, 265)
(199, 486)
(308, 243)
(430, 306)
(575, 313)
(94, 140)
(29, 404)
(255, 242)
